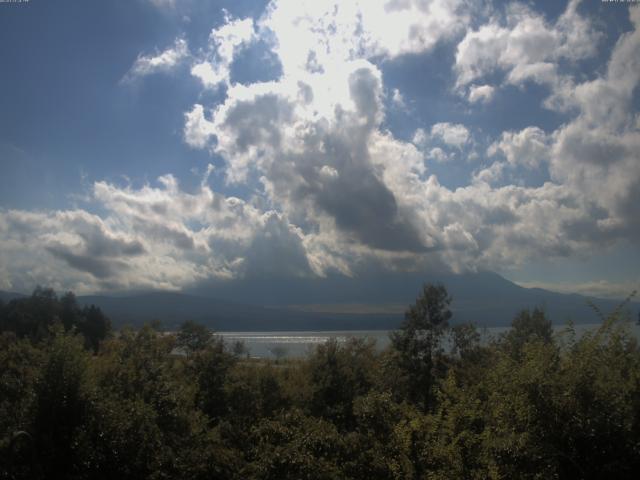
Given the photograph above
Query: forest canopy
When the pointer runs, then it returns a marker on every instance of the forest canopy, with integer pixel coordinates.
(79, 400)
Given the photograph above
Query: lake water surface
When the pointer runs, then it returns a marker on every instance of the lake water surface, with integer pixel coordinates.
(300, 344)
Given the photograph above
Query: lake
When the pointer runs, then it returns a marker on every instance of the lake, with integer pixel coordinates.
(300, 344)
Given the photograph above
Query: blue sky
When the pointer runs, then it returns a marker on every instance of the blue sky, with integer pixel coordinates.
(165, 144)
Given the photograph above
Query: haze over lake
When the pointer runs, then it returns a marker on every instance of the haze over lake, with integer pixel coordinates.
(300, 344)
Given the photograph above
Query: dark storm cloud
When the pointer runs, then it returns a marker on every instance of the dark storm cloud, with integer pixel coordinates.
(98, 267)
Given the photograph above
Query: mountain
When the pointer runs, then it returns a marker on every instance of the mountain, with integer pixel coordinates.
(341, 303)
(174, 308)
(485, 298)
(8, 296)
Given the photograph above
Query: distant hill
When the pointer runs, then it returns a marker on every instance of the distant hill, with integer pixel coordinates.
(486, 299)
(8, 296)
(174, 308)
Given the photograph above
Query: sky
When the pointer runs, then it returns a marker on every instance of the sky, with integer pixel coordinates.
(167, 144)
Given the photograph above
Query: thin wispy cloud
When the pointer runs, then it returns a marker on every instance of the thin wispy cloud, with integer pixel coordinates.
(159, 62)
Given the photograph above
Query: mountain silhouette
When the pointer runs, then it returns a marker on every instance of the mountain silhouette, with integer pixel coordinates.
(341, 303)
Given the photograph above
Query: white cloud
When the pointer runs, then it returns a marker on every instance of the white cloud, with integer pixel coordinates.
(152, 237)
(197, 129)
(314, 139)
(491, 174)
(420, 138)
(209, 76)
(313, 35)
(525, 46)
(160, 62)
(224, 43)
(438, 155)
(447, 136)
(529, 147)
(453, 134)
(317, 168)
(398, 99)
(596, 154)
(334, 190)
(481, 93)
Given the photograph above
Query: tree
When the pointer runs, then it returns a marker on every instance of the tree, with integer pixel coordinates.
(465, 340)
(239, 348)
(294, 446)
(211, 367)
(528, 326)
(35, 317)
(193, 336)
(94, 326)
(32, 317)
(62, 397)
(20, 364)
(417, 342)
(278, 351)
(70, 311)
(338, 375)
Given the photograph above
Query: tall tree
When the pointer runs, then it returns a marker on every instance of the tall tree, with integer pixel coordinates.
(193, 337)
(526, 327)
(418, 341)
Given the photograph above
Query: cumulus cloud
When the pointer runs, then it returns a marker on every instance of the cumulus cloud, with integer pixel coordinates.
(491, 175)
(443, 142)
(317, 168)
(313, 35)
(314, 139)
(481, 93)
(161, 62)
(153, 237)
(40, 246)
(420, 137)
(524, 46)
(596, 154)
(528, 148)
(335, 190)
(224, 43)
(438, 155)
(453, 134)
(197, 129)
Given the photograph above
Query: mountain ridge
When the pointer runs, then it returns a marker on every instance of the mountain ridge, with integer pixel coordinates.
(485, 298)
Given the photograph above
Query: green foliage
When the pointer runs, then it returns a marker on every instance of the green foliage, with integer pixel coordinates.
(465, 340)
(527, 326)
(61, 405)
(417, 344)
(193, 337)
(35, 317)
(295, 446)
(20, 366)
(93, 326)
(150, 405)
(211, 367)
(338, 374)
(381, 445)
(254, 391)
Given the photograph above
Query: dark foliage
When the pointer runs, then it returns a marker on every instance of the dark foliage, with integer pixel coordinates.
(35, 317)
(440, 403)
(416, 345)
